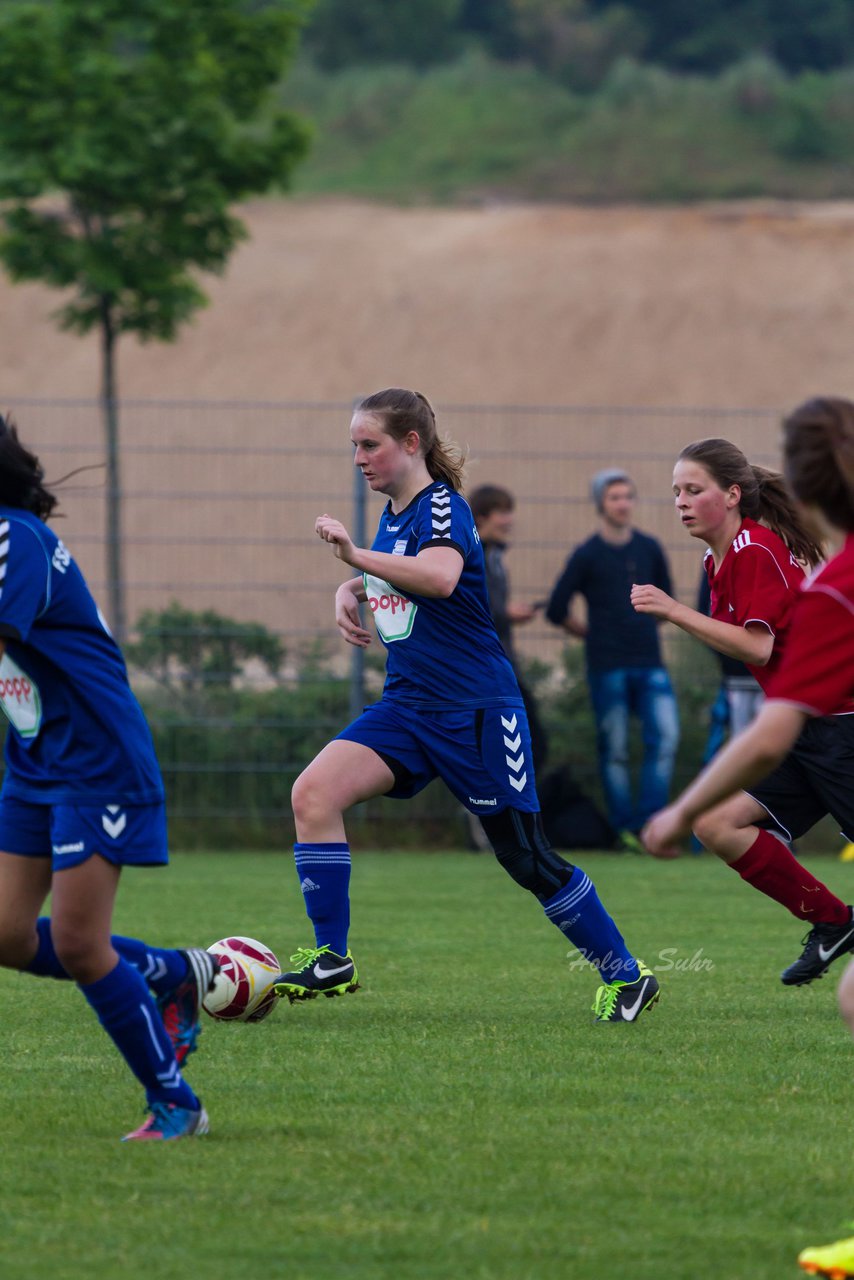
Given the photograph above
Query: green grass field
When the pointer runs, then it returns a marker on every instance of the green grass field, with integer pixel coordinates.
(461, 1117)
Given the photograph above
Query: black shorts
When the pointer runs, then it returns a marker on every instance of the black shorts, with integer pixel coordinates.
(816, 778)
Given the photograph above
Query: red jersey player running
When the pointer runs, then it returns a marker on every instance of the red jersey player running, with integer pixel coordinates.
(814, 680)
(756, 580)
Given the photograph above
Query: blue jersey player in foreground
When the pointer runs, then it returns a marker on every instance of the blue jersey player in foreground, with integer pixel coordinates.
(451, 708)
(82, 797)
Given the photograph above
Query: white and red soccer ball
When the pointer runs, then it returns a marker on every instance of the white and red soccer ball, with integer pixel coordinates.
(243, 988)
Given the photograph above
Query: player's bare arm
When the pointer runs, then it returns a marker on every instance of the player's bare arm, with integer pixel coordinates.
(435, 571)
(753, 643)
(348, 597)
(747, 759)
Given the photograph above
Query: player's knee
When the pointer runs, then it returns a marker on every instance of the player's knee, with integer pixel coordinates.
(710, 829)
(310, 800)
(523, 850)
(76, 949)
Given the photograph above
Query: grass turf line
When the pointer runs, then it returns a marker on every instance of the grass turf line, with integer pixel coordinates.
(459, 1117)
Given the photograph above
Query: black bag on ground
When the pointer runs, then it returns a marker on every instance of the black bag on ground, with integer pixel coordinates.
(570, 818)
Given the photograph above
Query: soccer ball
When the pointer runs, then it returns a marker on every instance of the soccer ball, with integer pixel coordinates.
(243, 988)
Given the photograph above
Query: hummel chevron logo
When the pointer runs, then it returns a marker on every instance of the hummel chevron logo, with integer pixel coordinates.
(518, 784)
(516, 765)
(513, 744)
(509, 725)
(155, 968)
(114, 826)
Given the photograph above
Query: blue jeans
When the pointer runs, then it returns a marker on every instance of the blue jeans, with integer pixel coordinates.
(647, 693)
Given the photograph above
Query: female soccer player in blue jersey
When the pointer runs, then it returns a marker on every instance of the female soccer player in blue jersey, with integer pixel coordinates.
(451, 708)
(82, 797)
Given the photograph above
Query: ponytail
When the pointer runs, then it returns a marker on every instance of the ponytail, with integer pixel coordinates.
(778, 512)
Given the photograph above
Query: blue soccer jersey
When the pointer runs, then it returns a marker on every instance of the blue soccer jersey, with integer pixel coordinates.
(441, 652)
(77, 733)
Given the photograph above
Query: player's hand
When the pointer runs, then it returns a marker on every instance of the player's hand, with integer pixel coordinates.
(649, 599)
(333, 531)
(664, 831)
(347, 618)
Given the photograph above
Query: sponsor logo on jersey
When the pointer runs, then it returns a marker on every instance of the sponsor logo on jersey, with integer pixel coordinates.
(399, 548)
(61, 557)
(393, 613)
(20, 699)
(742, 541)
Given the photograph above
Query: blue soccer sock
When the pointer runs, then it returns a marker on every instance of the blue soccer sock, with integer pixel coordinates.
(128, 1014)
(162, 968)
(324, 876)
(577, 912)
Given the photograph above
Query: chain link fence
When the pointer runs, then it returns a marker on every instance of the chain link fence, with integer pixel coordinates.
(218, 508)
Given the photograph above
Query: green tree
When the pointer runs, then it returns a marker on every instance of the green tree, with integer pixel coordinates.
(126, 132)
(343, 32)
(799, 35)
(184, 650)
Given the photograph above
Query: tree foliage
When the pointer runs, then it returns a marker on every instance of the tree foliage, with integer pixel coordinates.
(577, 41)
(126, 132)
(185, 650)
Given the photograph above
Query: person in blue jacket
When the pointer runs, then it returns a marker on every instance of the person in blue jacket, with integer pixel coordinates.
(82, 797)
(450, 708)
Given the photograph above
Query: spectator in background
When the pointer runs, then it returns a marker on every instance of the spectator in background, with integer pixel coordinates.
(493, 509)
(624, 667)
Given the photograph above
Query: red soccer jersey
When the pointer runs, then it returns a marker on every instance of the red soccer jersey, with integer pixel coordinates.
(818, 671)
(758, 581)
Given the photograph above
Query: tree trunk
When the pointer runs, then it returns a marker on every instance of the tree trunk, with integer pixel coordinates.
(110, 411)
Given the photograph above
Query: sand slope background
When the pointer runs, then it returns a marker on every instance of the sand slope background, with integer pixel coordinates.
(625, 311)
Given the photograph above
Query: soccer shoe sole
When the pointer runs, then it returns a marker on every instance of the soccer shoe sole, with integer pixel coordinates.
(831, 1273)
(295, 992)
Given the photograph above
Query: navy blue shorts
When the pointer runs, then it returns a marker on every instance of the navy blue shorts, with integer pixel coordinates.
(124, 834)
(482, 754)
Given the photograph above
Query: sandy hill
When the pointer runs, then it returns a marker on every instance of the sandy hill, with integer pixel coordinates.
(731, 306)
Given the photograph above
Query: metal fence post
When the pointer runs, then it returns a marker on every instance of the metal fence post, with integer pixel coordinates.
(357, 660)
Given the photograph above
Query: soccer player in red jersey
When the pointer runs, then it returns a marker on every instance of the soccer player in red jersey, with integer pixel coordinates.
(756, 582)
(809, 699)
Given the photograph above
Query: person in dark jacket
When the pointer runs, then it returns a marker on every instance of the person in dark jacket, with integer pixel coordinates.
(625, 670)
